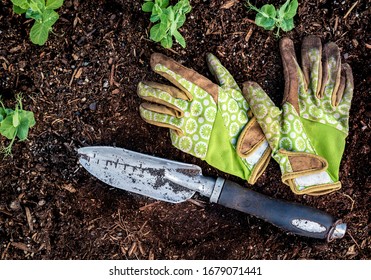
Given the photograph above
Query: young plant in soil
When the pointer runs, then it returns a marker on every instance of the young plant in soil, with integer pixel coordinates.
(171, 19)
(15, 123)
(269, 17)
(44, 14)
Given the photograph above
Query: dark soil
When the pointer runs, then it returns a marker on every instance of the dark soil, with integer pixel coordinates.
(82, 88)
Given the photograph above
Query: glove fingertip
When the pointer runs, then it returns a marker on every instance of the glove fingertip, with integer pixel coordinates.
(348, 73)
(214, 65)
(140, 89)
(157, 58)
(210, 56)
(346, 87)
(248, 89)
(253, 84)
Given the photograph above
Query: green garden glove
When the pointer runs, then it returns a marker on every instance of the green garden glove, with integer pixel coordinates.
(206, 120)
(307, 136)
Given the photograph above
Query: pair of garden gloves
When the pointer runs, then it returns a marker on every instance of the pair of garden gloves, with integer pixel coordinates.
(238, 131)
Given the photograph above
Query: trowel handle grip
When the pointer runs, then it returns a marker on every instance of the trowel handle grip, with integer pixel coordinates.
(292, 217)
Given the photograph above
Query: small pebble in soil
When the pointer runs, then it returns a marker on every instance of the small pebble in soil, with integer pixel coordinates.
(42, 202)
(15, 205)
(93, 106)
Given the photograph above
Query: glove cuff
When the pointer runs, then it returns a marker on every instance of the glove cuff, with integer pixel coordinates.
(315, 190)
(307, 174)
(260, 165)
(254, 149)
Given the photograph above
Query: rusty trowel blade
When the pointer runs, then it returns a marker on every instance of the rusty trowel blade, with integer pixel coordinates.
(154, 177)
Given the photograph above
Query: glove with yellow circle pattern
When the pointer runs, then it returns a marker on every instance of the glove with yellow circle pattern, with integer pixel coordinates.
(206, 120)
(307, 136)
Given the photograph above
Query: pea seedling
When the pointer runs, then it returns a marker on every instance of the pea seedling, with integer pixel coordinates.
(15, 123)
(269, 17)
(171, 19)
(43, 13)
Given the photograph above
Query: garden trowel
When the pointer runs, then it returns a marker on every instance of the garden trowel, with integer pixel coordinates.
(175, 182)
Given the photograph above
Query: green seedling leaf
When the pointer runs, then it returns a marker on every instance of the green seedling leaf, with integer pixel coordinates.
(40, 30)
(16, 118)
(156, 13)
(37, 5)
(7, 129)
(268, 11)
(154, 18)
(269, 17)
(179, 38)
(157, 10)
(23, 4)
(50, 17)
(39, 33)
(173, 27)
(53, 4)
(167, 41)
(18, 10)
(288, 9)
(169, 12)
(147, 7)
(27, 121)
(287, 24)
(157, 33)
(291, 10)
(282, 9)
(165, 23)
(42, 12)
(30, 117)
(183, 6)
(8, 111)
(163, 3)
(34, 15)
(22, 131)
(265, 22)
(180, 20)
(2, 114)
(15, 124)
(171, 19)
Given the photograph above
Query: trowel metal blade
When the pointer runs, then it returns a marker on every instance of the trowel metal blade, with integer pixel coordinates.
(154, 177)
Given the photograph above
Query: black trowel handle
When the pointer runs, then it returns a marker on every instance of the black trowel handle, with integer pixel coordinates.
(292, 217)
